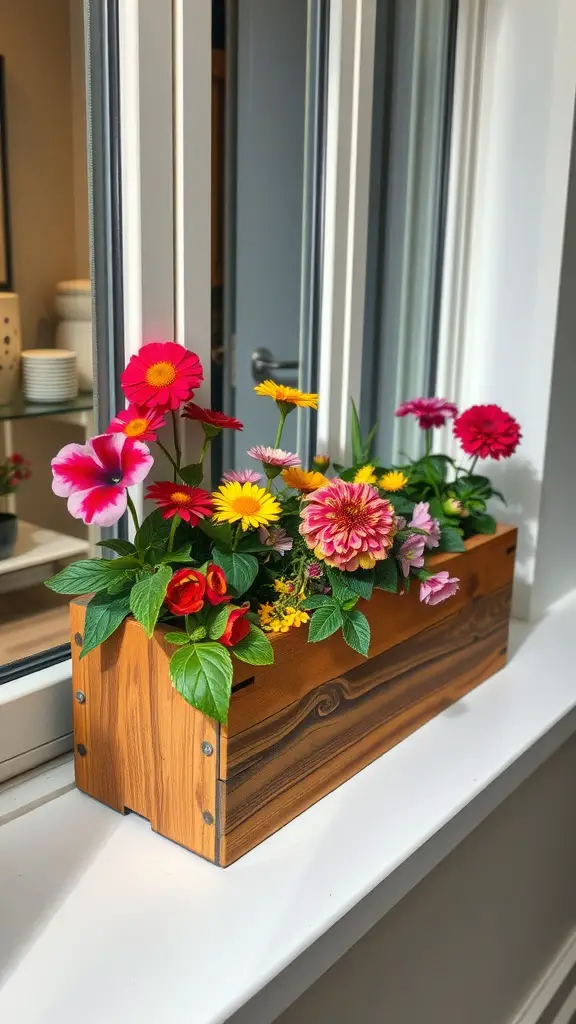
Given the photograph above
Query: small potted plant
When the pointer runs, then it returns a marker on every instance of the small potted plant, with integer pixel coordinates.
(13, 471)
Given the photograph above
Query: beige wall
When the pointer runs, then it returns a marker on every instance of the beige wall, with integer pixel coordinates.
(42, 43)
(468, 944)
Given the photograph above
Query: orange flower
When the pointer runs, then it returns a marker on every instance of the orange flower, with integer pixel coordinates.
(303, 479)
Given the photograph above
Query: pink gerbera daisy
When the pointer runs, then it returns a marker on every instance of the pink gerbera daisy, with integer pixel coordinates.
(348, 525)
(94, 476)
(138, 422)
(273, 456)
(162, 374)
(242, 476)
(430, 412)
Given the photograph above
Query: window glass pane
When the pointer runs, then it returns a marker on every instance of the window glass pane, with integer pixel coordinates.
(46, 360)
(268, 87)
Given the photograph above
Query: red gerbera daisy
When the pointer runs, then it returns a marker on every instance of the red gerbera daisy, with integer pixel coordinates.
(162, 374)
(487, 432)
(211, 418)
(190, 503)
(138, 422)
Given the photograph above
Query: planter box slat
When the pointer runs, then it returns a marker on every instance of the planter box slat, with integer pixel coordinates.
(297, 729)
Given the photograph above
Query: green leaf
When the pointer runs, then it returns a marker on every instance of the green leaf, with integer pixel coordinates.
(255, 648)
(439, 465)
(146, 598)
(251, 543)
(220, 532)
(202, 673)
(154, 531)
(217, 621)
(361, 582)
(386, 575)
(402, 506)
(177, 638)
(325, 621)
(355, 434)
(436, 508)
(130, 561)
(339, 584)
(241, 570)
(192, 474)
(122, 547)
(367, 447)
(482, 524)
(356, 632)
(85, 576)
(316, 600)
(451, 540)
(104, 613)
(183, 555)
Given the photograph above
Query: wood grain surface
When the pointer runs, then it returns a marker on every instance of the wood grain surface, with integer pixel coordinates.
(297, 729)
(143, 742)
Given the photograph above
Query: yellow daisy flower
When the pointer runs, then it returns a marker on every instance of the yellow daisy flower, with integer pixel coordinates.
(395, 480)
(265, 613)
(283, 393)
(365, 475)
(306, 480)
(251, 505)
(281, 587)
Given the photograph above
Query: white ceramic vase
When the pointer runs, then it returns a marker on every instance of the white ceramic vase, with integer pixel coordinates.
(73, 304)
(10, 346)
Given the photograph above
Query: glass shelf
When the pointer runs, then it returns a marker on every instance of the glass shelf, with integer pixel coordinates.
(20, 408)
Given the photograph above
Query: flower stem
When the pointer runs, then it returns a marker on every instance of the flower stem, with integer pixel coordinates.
(172, 534)
(473, 466)
(428, 435)
(133, 511)
(283, 415)
(177, 447)
(167, 454)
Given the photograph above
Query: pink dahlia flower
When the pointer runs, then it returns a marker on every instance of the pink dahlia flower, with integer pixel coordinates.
(276, 538)
(273, 456)
(422, 520)
(94, 476)
(347, 525)
(242, 476)
(438, 587)
(430, 412)
(411, 553)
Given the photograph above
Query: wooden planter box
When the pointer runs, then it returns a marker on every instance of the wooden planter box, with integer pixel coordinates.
(297, 729)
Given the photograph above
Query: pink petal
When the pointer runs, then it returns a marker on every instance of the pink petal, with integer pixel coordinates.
(107, 450)
(100, 506)
(74, 467)
(136, 463)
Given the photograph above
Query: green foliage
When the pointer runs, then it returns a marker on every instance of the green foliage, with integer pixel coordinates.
(386, 575)
(339, 583)
(104, 613)
(202, 674)
(153, 532)
(401, 505)
(121, 547)
(183, 555)
(360, 582)
(361, 448)
(147, 596)
(177, 638)
(240, 569)
(325, 621)
(86, 576)
(219, 532)
(192, 474)
(356, 631)
(217, 621)
(316, 600)
(451, 539)
(482, 523)
(255, 648)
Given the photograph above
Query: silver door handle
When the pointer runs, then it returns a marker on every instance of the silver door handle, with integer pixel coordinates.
(264, 364)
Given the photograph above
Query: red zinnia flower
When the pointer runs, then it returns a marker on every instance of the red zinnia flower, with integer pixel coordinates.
(163, 374)
(487, 431)
(185, 592)
(237, 627)
(190, 503)
(216, 585)
(430, 412)
(211, 418)
(138, 422)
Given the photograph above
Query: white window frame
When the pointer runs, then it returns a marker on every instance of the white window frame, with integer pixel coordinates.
(166, 82)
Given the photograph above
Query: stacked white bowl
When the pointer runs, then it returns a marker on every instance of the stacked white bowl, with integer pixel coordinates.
(49, 374)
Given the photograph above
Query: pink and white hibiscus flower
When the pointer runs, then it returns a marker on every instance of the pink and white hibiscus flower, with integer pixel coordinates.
(94, 476)
(411, 553)
(422, 520)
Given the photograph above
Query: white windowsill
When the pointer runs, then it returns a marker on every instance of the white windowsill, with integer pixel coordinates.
(96, 903)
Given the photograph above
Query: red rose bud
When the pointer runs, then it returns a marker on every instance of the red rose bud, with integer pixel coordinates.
(216, 585)
(237, 627)
(185, 592)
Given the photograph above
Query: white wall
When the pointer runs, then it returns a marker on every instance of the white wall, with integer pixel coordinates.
(469, 943)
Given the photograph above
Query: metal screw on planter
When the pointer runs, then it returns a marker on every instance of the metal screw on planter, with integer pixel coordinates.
(208, 818)
(207, 749)
(81, 749)
(80, 697)
(78, 639)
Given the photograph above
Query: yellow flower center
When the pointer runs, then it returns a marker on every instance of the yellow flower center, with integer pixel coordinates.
(159, 375)
(136, 427)
(179, 497)
(246, 505)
